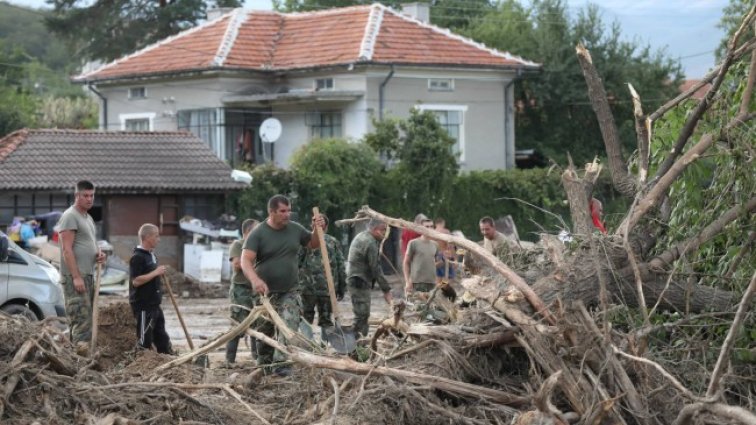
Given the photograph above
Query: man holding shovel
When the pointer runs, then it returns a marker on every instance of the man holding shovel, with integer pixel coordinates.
(270, 263)
(78, 255)
(145, 294)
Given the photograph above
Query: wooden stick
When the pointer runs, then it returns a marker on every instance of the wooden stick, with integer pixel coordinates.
(95, 310)
(327, 267)
(178, 313)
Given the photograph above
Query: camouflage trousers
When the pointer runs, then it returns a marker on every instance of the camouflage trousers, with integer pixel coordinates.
(322, 303)
(243, 299)
(360, 292)
(288, 305)
(79, 308)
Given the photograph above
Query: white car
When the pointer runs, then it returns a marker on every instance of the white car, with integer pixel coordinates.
(29, 285)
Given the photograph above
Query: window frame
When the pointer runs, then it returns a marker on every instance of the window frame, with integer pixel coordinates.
(448, 89)
(131, 92)
(462, 109)
(319, 125)
(332, 85)
(150, 116)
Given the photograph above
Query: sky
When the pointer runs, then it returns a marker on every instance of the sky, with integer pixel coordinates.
(687, 29)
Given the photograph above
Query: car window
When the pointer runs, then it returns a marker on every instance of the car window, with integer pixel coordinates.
(14, 257)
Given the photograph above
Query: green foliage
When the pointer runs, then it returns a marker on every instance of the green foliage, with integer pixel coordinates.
(426, 165)
(334, 175)
(732, 16)
(554, 112)
(24, 28)
(267, 180)
(62, 112)
(107, 30)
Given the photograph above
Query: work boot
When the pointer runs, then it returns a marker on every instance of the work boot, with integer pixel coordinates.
(231, 347)
(82, 348)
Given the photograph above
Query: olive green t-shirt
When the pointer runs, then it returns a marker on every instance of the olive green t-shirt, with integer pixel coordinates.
(84, 245)
(235, 251)
(276, 254)
(422, 254)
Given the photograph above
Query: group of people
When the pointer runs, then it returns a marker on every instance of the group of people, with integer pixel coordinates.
(277, 258)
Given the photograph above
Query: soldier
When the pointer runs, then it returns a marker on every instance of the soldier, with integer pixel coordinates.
(270, 263)
(312, 279)
(241, 294)
(78, 256)
(363, 266)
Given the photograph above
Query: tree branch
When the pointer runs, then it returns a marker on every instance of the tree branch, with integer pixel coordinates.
(512, 277)
(706, 234)
(703, 105)
(729, 341)
(642, 134)
(623, 181)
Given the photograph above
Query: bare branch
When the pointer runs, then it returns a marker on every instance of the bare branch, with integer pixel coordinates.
(745, 101)
(722, 410)
(729, 341)
(622, 180)
(642, 133)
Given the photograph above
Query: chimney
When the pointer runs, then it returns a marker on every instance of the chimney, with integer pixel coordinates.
(218, 12)
(419, 11)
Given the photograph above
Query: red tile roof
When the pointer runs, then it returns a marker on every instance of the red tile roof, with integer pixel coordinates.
(271, 41)
(115, 161)
(698, 94)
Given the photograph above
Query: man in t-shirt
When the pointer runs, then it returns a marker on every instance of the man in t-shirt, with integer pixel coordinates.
(241, 294)
(270, 263)
(78, 255)
(144, 291)
(409, 234)
(420, 263)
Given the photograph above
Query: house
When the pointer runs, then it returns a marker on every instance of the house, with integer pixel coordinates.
(140, 177)
(320, 74)
(698, 94)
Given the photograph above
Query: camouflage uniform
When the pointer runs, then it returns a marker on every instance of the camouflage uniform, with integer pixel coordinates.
(313, 284)
(288, 305)
(243, 299)
(363, 267)
(79, 308)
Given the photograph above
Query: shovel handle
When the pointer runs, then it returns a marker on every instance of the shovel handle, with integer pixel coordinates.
(95, 310)
(326, 266)
(178, 313)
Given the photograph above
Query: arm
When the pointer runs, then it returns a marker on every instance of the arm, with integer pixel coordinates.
(408, 286)
(67, 240)
(141, 280)
(236, 263)
(248, 268)
(377, 273)
(314, 240)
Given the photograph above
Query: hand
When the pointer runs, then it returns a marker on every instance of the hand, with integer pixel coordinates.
(409, 289)
(319, 221)
(79, 285)
(160, 271)
(388, 297)
(260, 287)
(101, 257)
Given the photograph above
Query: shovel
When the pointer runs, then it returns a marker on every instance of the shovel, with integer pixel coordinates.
(201, 359)
(341, 338)
(95, 310)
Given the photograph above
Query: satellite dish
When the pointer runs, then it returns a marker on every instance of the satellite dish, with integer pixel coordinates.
(270, 130)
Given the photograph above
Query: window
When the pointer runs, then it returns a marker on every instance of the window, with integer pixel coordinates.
(137, 122)
(140, 124)
(203, 123)
(452, 119)
(440, 84)
(137, 93)
(324, 125)
(324, 84)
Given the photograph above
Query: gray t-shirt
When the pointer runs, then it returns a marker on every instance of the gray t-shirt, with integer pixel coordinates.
(422, 255)
(277, 262)
(84, 245)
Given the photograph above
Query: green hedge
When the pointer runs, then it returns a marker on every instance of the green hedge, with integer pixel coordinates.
(472, 195)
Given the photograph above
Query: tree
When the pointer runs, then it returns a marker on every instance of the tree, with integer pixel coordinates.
(334, 175)
(425, 165)
(554, 113)
(732, 16)
(17, 103)
(106, 30)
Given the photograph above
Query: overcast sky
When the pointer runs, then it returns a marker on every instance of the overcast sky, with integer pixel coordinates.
(686, 28)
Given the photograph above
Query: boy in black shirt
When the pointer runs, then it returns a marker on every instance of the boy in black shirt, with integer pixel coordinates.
(145, 294)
